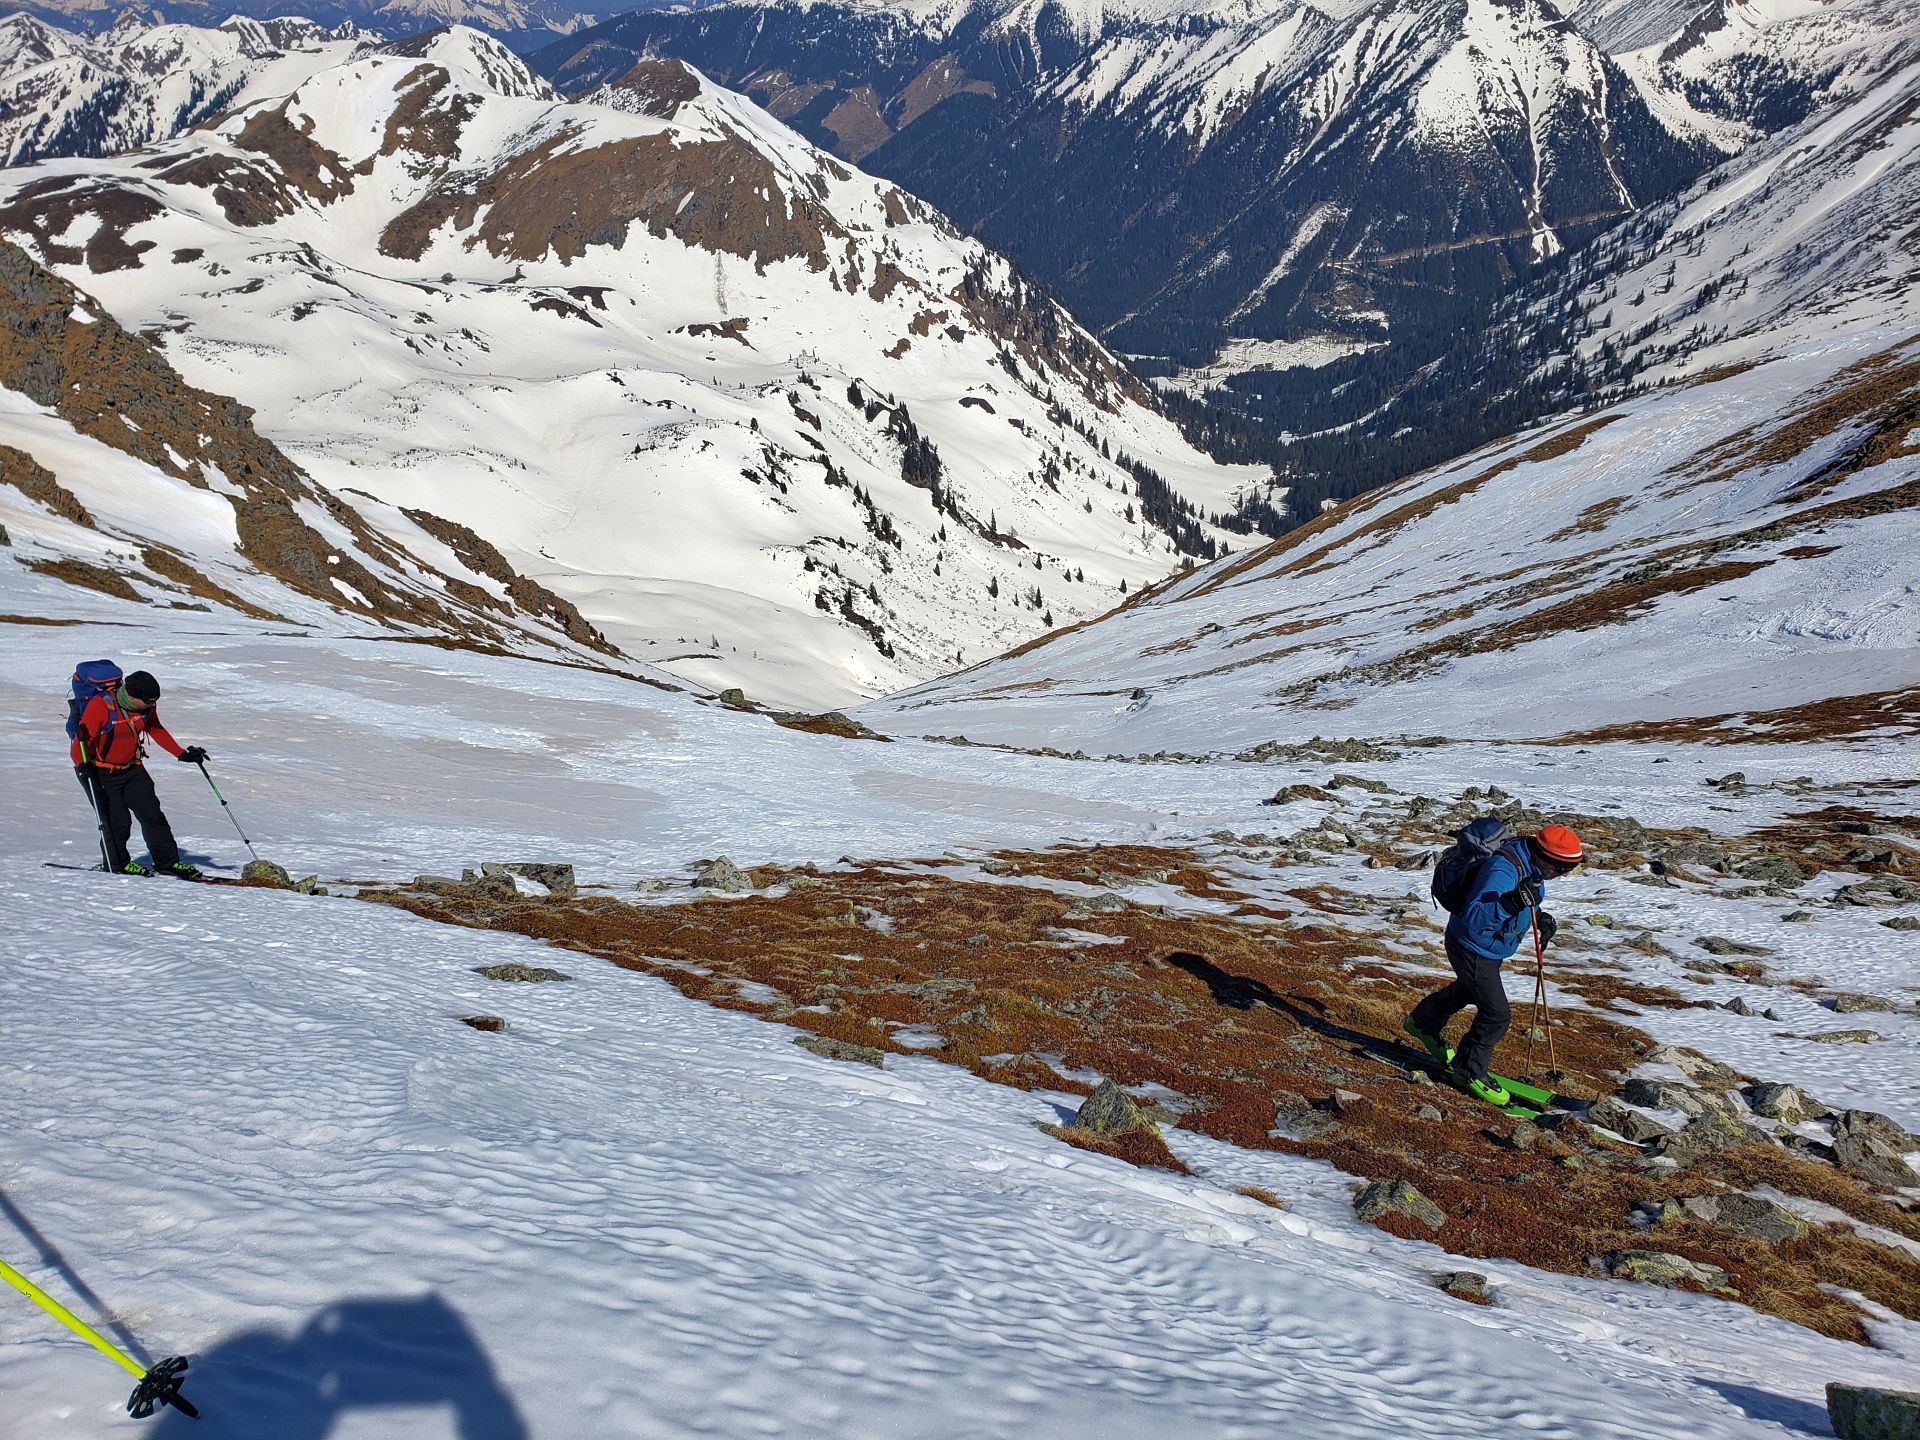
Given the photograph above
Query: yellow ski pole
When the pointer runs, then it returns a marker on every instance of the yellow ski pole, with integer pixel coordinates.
(158, 1386)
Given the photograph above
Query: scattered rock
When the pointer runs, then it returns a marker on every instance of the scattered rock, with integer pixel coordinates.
(1464, 1285)
(492, 1024)
(1109, 1111)
(1689, 1100)
(492, 885)
(1610, 1114)
(734, 698)
(1788, 1104)
(1359, 782)
(1796, 917)
(554, 878)
(1903, 922)
(435, 882)
(798, 882)
(1737, 1213)
(1431, 1112)
(1297, 1118)
(1872, 1158)
(1397, 1197)
(1703, 1135)
(1344, 1101)
(1088, 906)
(265, 872)
(832, 1049)
(1720, 945)
(1288, 794)
(1770, 869)
(1848, 1004)
(1873, 1123)
(1806, 1145)
(1860, 1412)
(722, 874)
(1657, 1267)
(523, 974)
(1604, 921)
(1525, 1135)
(1702, 1069)
(1843, 1037)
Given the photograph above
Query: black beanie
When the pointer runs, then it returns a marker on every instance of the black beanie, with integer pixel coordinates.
(142, 686)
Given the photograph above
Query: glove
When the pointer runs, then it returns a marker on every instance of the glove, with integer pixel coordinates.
(194, 755)
(1549, 927)
(1523, 897)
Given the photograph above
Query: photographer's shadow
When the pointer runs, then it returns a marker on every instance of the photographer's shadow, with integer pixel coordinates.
(360, 1354)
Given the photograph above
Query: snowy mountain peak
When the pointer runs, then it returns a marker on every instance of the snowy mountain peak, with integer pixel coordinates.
(475, 61)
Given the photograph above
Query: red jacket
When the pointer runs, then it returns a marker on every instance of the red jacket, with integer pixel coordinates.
(115, 739)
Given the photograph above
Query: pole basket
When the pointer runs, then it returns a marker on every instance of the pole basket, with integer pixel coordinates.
(161, 1386)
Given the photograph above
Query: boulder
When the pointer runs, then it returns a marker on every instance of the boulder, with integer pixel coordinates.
(1772, 869)
(1861, 1412)
(265, 872)
(1737, 1213)
(1464, 1285)
(1850, 1004)
(1610, 1114)
(1903, 922)
(1872, 1123)
(1109, 1110)
(722, 874)
(1788, 1104)
(1701, 1069)
(1657, 1267)
(310, 885)
(1397, 1197)
(492, 1024)
(1843, 1037)
(1720, 945)
(1874, 1160)
(1703, 1135)
(831, 1049)
(1671, 1095)
(1359, 782)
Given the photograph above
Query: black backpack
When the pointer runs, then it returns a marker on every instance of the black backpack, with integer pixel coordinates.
(1474, 844)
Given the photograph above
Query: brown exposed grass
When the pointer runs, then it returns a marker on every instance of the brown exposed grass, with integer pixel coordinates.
(1838, 717)
(1238, 1016)
(88, 577)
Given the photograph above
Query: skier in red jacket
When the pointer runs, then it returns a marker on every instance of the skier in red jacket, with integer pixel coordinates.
(109, 756)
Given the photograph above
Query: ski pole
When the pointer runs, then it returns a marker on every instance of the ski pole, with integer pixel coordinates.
(229, 809)
(1542, 1016)
(90, 781)
(158, 1386)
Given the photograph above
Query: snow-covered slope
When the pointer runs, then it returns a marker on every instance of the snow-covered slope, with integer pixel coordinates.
(766, 420)
(61, 94)
(251, 1128)
(1761, 504)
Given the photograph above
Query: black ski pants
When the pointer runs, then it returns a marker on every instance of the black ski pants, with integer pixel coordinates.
(1476, 983)
(124, 796)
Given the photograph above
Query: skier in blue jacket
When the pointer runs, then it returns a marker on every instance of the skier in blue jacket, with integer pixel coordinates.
(1481, 936)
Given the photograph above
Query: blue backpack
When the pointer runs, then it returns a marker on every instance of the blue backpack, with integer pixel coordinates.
(91, 678)
(1460, 863)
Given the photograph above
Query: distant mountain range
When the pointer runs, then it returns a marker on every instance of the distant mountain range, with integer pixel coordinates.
(764, 420)
(1243, 193)
(1723, 546)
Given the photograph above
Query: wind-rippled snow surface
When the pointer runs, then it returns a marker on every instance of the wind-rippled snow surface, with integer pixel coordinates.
(252, 1128)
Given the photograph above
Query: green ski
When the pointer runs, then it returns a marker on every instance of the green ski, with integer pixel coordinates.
(1517, 1107)
(1532, 1096)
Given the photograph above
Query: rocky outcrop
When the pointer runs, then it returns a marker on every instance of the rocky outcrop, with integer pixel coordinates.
(1109, 1110)
(1657, 1267)
(723, 875)
(830, 1049)
(1735, 1212)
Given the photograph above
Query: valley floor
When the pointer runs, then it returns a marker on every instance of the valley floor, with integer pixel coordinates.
(249, 1125)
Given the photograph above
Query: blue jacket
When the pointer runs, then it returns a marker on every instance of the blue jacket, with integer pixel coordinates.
(1481, 925)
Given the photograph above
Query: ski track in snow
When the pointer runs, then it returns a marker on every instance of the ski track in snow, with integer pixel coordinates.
(254, 1126)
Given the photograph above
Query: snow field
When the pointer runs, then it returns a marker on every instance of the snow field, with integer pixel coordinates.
(253, 1124)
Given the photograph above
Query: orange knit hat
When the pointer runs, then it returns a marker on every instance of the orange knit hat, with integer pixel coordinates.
(1557, 842)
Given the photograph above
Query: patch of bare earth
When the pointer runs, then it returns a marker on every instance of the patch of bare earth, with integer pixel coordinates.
(1258, 1021)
